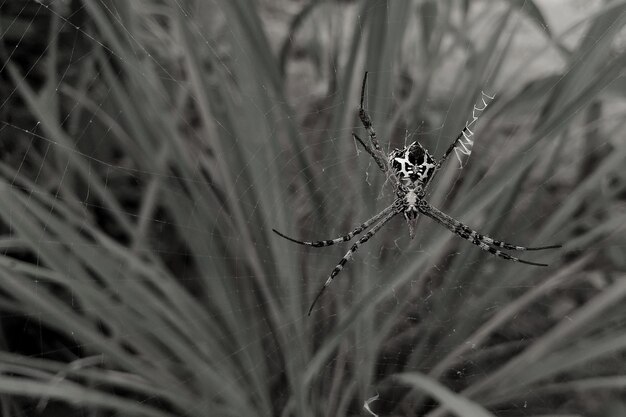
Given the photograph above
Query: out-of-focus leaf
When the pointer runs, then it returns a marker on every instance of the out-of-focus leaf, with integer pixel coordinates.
(529, 8)
(457, 404)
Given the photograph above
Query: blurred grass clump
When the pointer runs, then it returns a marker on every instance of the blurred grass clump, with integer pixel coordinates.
(149, 147)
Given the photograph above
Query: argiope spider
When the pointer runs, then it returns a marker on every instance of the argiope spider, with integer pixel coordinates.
(410, 170)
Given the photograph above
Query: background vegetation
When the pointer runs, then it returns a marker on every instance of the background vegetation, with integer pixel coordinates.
(149, 147)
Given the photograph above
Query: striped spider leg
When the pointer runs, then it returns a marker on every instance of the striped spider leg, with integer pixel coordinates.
(382, 160)
(386, 215)
(390, 214)
(345, 238)
(458, 145)
(484, 242)
(410, 170)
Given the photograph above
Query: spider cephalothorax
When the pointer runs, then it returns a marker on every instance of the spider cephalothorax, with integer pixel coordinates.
(413, 166)
(410, 170)
(409, 198)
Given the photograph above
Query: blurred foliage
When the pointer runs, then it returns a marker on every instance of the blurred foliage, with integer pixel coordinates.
(149, 147)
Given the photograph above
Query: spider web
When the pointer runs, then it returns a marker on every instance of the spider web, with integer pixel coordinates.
(148, 149)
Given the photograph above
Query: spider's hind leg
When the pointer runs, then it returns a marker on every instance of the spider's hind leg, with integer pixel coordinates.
(367, 121)
(373, 153)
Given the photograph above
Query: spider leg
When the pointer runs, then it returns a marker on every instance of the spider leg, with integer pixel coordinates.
(367, 122)
(345, 238)
(370, 151)
(476, 238)
(489, 240)
(464, 133)
(376, 152)
(351, 252)
(464, 147)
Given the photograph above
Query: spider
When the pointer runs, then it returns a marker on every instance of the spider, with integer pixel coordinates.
(410, 170)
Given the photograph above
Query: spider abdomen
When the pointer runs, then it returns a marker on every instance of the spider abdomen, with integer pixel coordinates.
(412, 164)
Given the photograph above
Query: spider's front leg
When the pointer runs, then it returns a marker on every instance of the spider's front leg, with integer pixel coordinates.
(351, 252)
(482, 241)
(345, 238)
